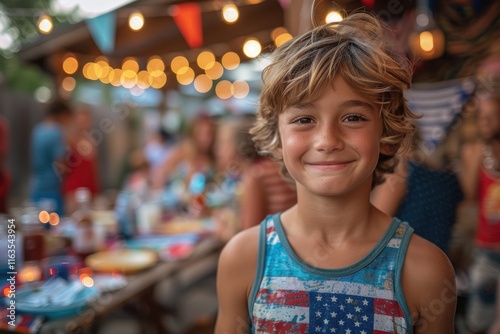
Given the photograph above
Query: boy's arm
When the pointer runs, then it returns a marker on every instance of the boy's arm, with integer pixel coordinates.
(429, 288)
(235, 276)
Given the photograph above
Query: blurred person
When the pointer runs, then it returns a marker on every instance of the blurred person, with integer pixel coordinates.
(261, 188)
(81, 161)
(424, 191)
(231, 157)
(5, 178)
(48, 153)
(480, 179)
(158, 148)
(193, 154)
(495, 327)
(264, 191)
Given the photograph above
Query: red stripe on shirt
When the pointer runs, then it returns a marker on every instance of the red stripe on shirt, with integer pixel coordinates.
(284, 297)
(271, 326)
(387, 307)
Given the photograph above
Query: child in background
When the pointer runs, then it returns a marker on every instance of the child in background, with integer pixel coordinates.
(480, 178)
(332, 110)
(225, 195)
(264, 190)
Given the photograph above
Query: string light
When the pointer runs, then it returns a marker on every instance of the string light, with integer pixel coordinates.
(215, 72)
(179, 64)
(230, 13)
(45, 24)
(205, 60)
(186, 77)
(240, 89)
(202, 83)
(68, 84)
(136, 21)
(224, 89)
(280, 36)
(70, 64)
(230, 60)
(333, 16)
(252, 48)
(129, 74)
(427, 41)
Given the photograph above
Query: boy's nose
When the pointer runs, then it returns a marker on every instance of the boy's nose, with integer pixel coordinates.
(328, 138)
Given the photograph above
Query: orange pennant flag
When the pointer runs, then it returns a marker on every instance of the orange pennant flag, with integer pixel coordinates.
(187, 16)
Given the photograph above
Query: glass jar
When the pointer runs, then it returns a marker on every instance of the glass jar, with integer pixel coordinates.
(33, 235)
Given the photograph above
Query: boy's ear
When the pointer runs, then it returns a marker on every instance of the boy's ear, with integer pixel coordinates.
(388, 149)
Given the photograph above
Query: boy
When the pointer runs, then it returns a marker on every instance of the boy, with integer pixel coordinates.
(332, 110)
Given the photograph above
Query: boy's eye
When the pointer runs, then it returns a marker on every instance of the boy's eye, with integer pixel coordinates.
(302, 120)
(354, 118)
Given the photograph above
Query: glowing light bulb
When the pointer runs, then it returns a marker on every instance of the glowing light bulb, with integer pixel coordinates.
(252, 48)
(136, 21)
(426, 41)
(230, 13)
(333, 16)
(45, 24)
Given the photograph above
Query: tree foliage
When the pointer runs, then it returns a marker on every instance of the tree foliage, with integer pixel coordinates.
(20, 19)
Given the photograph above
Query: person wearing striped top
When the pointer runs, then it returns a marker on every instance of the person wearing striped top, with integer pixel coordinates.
(332, 111)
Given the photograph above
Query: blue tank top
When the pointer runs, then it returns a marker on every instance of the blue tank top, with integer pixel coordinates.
(290, 296)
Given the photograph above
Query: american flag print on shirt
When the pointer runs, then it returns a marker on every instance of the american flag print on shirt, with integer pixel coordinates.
(291, 300)
(337, 314)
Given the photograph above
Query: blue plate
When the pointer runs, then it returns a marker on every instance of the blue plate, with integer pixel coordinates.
(80, 303)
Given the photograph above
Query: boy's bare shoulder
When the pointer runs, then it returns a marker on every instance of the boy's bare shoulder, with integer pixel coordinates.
(428, 275)
(243, 245)
(240, 252)
(425, 261)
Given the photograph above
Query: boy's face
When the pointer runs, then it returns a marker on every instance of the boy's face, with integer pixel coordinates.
(488, 121)
(331, 146)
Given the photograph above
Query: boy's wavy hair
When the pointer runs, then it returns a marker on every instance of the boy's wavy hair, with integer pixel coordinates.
(353, 49)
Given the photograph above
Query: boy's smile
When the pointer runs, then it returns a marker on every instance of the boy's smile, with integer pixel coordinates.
(331, 146)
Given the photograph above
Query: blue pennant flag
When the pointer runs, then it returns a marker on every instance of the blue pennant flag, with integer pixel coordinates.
(103, 30)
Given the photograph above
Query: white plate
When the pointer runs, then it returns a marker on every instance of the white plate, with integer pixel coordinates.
(122, 260)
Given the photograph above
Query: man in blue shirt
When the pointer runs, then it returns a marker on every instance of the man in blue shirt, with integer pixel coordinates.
(47, 157)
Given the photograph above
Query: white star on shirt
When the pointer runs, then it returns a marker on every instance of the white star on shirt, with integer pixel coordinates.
(325, 321)
(357, 324)
(334, 299)
(349, 300)
(341, 307)
(347, 331)
(341, 322)
(363, 332)
(365, 318)
(334, 314)
(358, 309)
(318, 298)
(365, 302)
(318, 313)
(333, 330)
(349, 316)
(318, 329)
